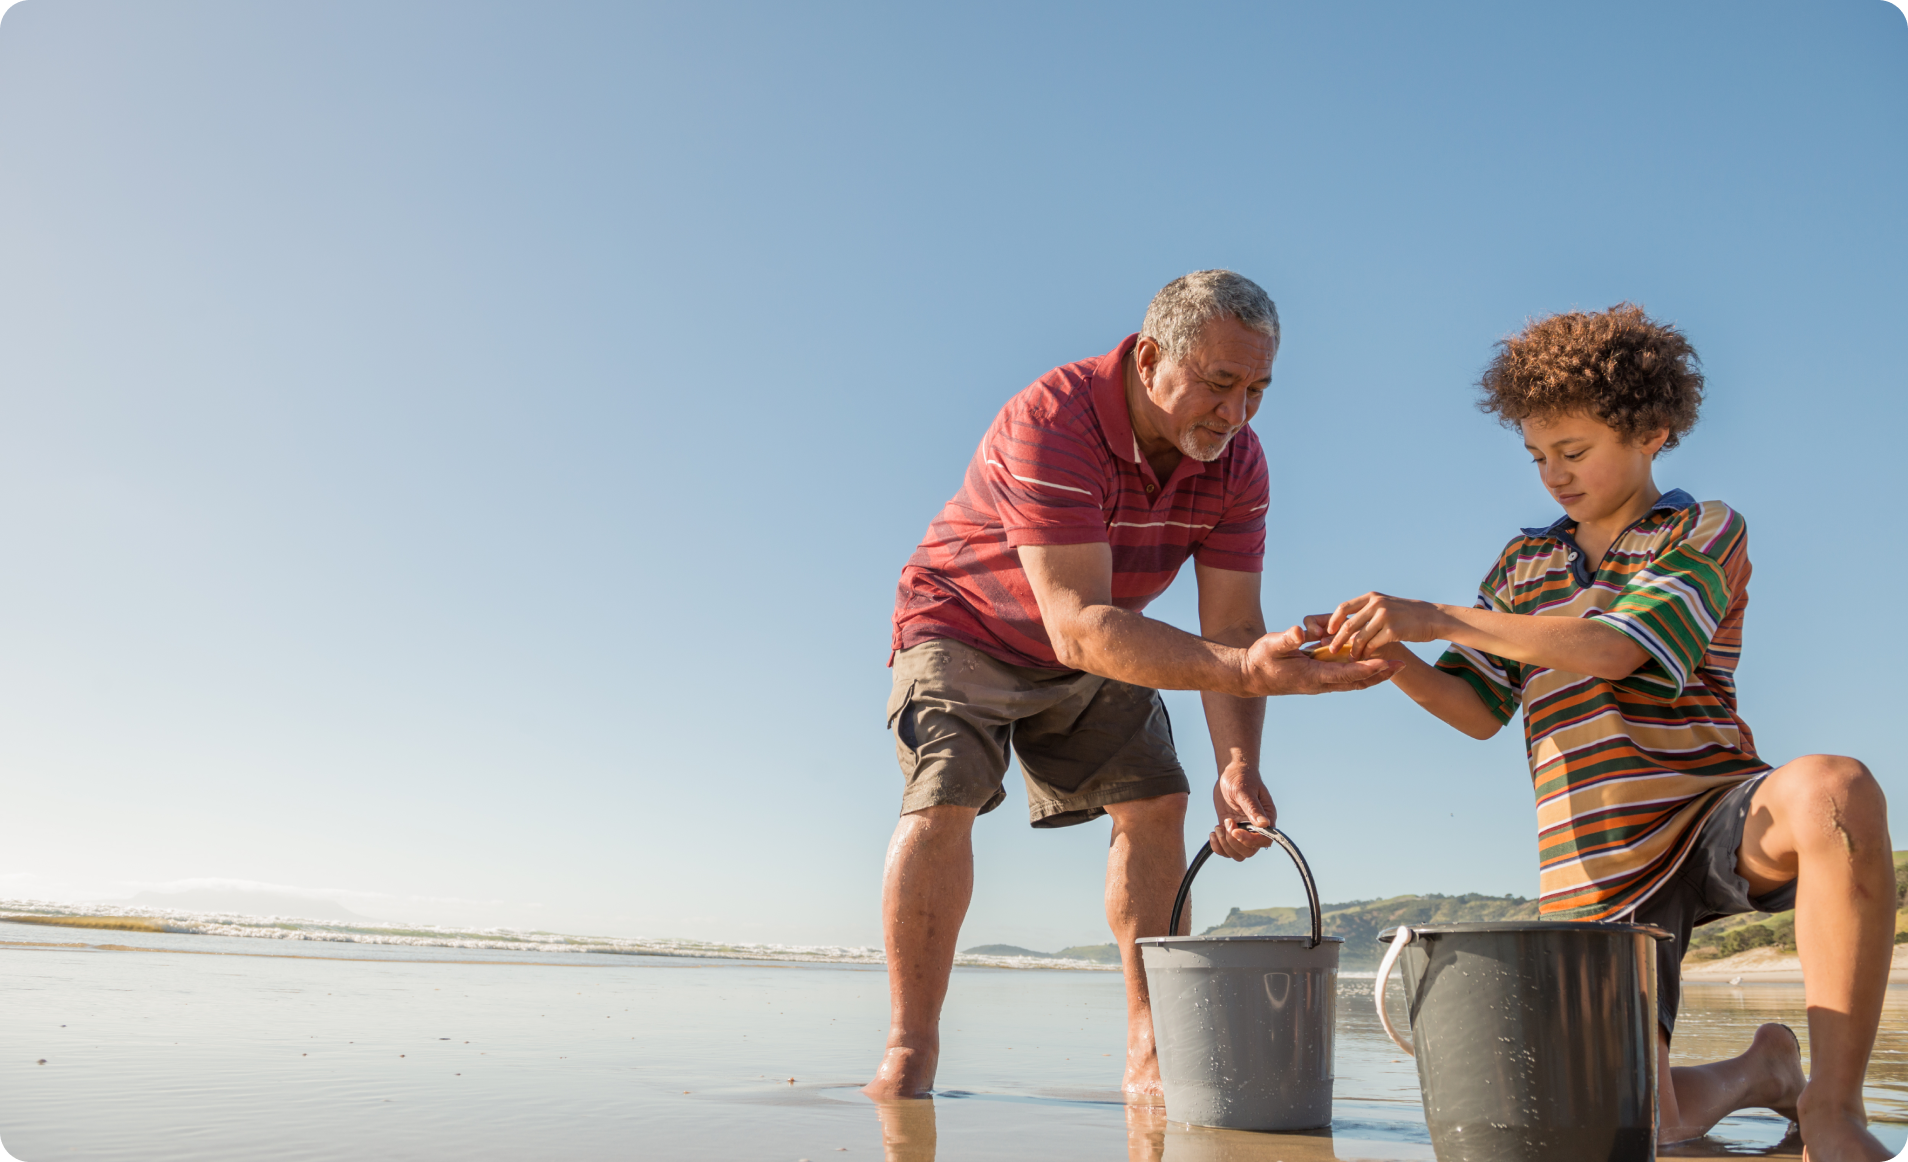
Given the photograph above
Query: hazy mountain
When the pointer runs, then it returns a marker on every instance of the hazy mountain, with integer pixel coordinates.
(1358, 922)
(249, 903)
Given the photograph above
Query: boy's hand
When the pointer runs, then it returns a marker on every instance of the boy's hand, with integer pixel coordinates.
(1240, 796)
(1363, 624)
(1276, 665)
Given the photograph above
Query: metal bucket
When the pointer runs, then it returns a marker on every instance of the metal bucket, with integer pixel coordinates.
(1535, 1042)
(1244, 1023)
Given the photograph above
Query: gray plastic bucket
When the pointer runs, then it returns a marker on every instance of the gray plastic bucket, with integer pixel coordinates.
(1536, 1042)
(1244, 1023)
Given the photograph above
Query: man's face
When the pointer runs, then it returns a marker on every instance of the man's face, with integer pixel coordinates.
(1203, 400)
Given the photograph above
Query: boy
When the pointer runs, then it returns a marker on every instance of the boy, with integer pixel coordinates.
(1617, 629)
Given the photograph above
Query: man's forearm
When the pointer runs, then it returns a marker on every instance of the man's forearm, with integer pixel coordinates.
(1237, 726)
(1131, 647)
(1572, 644)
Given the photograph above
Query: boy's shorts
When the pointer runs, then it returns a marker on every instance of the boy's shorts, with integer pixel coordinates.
(1084, 741)
(1705, 888)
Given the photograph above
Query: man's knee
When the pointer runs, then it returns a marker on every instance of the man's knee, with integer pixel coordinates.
(1158, 811)
(942, 821)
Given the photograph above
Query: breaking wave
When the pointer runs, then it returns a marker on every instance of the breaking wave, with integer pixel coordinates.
(127, 918)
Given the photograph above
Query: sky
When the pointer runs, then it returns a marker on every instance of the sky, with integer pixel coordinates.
(455, 458)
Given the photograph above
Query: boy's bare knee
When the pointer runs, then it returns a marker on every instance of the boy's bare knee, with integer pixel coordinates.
(1836, 798)
(1819, 778)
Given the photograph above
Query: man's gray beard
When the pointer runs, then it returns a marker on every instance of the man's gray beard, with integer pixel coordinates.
(1189, 444)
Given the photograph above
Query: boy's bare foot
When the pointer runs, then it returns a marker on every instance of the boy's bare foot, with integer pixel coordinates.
(1840, 1136)
(1779, 1053)
(904, 1072)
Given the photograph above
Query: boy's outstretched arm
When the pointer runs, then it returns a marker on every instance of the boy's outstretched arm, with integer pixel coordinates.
(1574, 645)
(1445, 695)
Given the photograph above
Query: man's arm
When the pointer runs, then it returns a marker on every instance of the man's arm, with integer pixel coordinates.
(1572, 644)
(1073, 585)
(1230, 614)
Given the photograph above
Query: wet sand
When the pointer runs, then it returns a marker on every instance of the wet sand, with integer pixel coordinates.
(158, 1051)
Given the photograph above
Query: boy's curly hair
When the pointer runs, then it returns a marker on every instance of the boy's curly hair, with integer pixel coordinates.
(1619, 365)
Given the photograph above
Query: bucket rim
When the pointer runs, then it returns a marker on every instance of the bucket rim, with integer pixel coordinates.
(1163, 941)
(1535, 926)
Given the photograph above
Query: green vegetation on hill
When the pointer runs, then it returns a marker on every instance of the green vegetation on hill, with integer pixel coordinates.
(1733, 934)
(1358, 922)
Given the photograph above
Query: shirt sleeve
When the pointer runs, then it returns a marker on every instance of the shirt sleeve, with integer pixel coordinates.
(1047, 480)
(1672, 606)
(1499, 682)
(1237, 540)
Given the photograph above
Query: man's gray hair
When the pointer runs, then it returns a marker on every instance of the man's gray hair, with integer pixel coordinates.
(1185, 305)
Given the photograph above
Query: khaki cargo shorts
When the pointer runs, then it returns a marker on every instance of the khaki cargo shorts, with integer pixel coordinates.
(1084, 741)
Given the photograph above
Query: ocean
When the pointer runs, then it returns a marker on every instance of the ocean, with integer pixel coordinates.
(175, 1045)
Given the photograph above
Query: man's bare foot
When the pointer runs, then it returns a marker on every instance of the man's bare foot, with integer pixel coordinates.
(1839, 1136)
(1142, 1072)
(1779, 1053)
(904, 1072)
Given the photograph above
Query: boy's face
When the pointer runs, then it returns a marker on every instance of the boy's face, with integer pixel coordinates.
(1587, 466)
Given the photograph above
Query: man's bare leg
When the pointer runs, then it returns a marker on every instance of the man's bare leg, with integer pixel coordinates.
(924, 895)
(1822, 821)
(1143, 869)
(1696, 1097)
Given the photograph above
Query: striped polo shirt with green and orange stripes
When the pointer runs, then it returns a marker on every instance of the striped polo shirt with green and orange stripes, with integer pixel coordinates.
(1627, 771)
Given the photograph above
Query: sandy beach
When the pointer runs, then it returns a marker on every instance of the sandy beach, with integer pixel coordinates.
(1773, 966)
(135, 1045)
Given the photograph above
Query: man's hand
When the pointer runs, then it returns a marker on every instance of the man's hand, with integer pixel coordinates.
(1276, 665)
(1362, 625)
(1240, 796)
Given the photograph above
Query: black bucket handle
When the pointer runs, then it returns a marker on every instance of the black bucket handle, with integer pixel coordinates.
(1291, 849)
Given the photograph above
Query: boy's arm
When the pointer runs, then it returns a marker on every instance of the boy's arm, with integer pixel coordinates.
(1571, 644)
(1443, 694)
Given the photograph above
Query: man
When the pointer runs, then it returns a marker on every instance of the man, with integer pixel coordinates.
(1018, 621)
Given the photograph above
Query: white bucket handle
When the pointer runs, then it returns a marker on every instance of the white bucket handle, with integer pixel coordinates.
(1401, 937)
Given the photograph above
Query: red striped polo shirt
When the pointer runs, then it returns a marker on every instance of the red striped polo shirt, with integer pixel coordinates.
(1060, 466)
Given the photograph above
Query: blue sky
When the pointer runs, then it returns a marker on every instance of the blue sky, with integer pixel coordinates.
(457, 457)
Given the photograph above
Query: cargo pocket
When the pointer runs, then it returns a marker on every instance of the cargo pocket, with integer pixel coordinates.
(901, 715)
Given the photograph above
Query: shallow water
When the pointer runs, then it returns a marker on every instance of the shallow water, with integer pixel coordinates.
(224, 1049)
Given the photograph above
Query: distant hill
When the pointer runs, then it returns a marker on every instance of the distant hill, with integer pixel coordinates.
(1097, 953)
(1734, 934)
(1003, 950)
(1358, 922)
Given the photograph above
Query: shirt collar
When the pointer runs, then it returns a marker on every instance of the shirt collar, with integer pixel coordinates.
(1109, 400)
(1675, 500)
(1116, 419)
